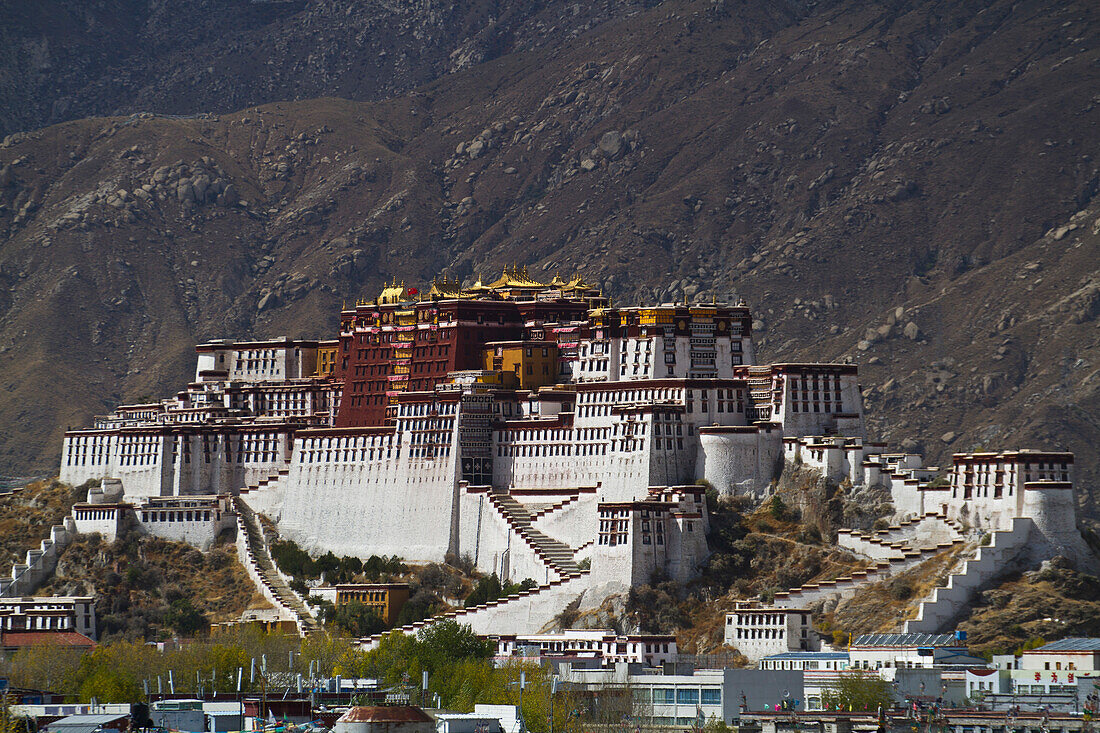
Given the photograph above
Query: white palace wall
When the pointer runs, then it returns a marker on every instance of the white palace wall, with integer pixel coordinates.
(147, 465)
(494, 544)
(574, 523)
(737, 460)
(1053, 513)
(358, 492)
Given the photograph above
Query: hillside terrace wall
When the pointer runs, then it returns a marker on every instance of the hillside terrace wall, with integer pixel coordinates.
(494, 543)
(39, 564)
(1001, 556)
(927, 531)
(845, 587)
(516, 614)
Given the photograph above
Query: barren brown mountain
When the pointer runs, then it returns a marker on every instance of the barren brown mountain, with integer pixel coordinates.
(911, 185)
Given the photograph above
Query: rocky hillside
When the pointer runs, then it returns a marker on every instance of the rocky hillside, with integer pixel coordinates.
(148, 588)
(66, 59)
(28, 513)
(1050, 603)
(908, 185)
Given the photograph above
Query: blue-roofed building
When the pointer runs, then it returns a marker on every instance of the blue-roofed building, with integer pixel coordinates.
(806, 660)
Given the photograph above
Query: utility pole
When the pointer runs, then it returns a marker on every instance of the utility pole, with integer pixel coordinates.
(553, 689)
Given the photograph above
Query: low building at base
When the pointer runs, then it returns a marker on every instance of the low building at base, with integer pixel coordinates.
(757, 630)
(580, 647)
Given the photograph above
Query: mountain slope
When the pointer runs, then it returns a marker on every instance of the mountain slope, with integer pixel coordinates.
(833, 164)
(65, 59)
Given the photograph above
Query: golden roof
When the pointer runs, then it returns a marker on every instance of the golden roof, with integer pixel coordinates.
(577, 283)
(442, 287)
(516, 277)
(478, 286)
(393, 294)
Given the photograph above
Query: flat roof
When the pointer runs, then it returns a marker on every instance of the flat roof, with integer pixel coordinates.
(807, 655)
(1070, 644)
(924, 640)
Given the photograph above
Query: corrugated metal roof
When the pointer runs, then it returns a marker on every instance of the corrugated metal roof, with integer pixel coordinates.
(808, 655)
(907, 640)
(385, 714)
(88, 723)
(1073, 644)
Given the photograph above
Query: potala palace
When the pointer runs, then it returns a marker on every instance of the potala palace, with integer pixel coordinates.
(534, 426)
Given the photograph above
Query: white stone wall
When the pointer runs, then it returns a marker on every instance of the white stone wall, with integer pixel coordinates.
(160, 463)
(198, 525)
(108, 521)
(39, 564)
(1000, 557)
(517, 614)
(574, 523)
(738, 460)
(495, 545)
(1053, 512)
(340, 498)
(138, 459)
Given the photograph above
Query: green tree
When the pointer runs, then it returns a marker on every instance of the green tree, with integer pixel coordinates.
(184, 618)
(293, 560)
(857, 690)
(393, 658)
(487, 589)
(446, 642)
(328, 565)
(490, 588)
(777, 508)
(333, 655)
(358, 619)
(421, 605)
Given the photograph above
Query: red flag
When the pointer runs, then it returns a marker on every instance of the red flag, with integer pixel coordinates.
(413, 291)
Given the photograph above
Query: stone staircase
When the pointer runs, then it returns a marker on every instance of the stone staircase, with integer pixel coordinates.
(989, 563)
(550, 508)
(271, 478)
(515, 614)
(262, 569)
(846, 586)
(916, 534)
(555, 554)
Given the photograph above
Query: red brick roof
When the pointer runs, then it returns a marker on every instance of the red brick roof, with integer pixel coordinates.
(20, 639)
